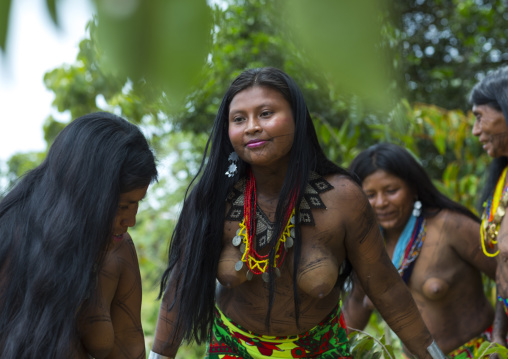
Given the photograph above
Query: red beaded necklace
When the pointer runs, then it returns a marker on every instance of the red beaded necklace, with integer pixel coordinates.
(256, 262)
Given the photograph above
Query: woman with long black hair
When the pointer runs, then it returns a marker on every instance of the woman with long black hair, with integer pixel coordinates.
(70, 285)
(489, 99)
(267, 236)
(434, 243)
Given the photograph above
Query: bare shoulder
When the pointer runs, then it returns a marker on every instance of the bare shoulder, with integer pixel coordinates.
(454, 229)
(454, 222)
(347, 197)
(127, 266)
(121, 258)
(124, 249)
(345, 188)
(350, 207)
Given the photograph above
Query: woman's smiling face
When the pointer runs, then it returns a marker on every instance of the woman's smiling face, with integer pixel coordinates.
(391, 198)
(491, 129)
(261, 127)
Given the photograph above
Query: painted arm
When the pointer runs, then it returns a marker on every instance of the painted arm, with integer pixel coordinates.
(464, 235)
(126, 305)
(167, 338)
(500, 327)
(356, 314)
(378, 276)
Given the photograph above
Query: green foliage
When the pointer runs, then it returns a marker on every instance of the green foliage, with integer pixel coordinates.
(491, 348)
(444, 46)
(5, 7)
(164, 42)
(322, 26)
(365, 346)
(439, 48)
(19, 164)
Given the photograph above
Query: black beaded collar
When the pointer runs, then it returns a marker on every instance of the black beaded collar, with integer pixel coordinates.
(311, 200)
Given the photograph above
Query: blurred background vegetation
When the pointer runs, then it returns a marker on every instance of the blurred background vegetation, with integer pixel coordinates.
(369, 72)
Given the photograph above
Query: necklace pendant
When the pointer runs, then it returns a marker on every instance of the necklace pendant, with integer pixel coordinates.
(277, 272)
(266, 277)
(249, 275)
(238, 266)
(288, 243)
(504, 199)
(237, 240)
(492, 229)
(242, 248)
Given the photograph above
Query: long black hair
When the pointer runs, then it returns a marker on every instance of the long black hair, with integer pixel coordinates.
(399, 162)
(196, 243)
(55, 226)
(493, 92)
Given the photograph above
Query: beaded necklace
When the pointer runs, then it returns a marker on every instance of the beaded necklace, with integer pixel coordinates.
(409, 245)
(257, 263)
(495, 210)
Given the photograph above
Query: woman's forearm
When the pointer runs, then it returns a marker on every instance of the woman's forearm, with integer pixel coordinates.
(500, 326)
(404, 319)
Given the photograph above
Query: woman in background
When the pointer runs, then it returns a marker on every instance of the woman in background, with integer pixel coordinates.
(434, 243)
(489, 99)
(70, 285)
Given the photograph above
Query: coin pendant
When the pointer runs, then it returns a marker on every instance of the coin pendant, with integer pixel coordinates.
(237, 240)
(238, 266)
(249, 275)
(265, 276)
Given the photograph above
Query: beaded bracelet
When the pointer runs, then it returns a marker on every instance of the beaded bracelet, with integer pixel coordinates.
(434, 351)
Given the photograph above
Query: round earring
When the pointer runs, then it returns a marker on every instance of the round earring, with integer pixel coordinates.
(417, 209)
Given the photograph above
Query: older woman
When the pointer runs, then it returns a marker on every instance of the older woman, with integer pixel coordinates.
(434, 244)
(279, 226)
(490, 107)
(70, 285)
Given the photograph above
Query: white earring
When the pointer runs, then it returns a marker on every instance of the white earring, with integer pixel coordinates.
(233, 157)
(417, 209)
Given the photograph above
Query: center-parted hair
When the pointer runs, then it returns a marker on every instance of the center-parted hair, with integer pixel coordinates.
(400, 163)
(492, 91)
(55, 226)
(196, 243)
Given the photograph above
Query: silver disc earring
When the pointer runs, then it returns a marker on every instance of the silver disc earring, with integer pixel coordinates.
(417, 209)
(233, 157)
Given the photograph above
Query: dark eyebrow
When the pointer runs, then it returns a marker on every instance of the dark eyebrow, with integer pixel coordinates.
(131, 202)
(270, 103)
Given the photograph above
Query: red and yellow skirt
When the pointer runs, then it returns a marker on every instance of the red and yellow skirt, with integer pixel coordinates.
(328, 339)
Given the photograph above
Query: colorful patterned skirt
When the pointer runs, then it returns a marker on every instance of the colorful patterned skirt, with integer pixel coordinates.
(470, 349)
(326, 340)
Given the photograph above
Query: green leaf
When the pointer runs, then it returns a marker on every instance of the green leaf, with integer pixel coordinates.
(343, 38)
(51, 6)
(165, 42)
(5, 7)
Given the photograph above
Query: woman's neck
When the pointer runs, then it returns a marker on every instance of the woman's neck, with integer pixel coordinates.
(269, 182)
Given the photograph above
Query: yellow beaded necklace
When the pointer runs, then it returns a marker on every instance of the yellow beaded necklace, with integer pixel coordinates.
(257, 263)
(495, 210)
